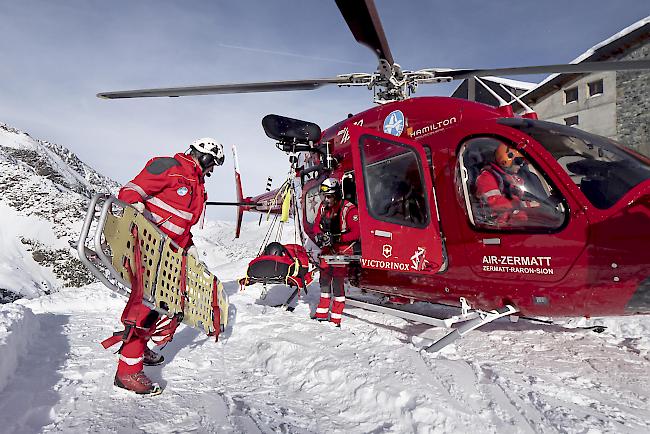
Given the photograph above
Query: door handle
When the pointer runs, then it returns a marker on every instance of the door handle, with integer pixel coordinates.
(384, 234)
(491, 241)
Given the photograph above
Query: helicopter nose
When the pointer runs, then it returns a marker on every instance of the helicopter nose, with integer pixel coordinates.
(640, 301)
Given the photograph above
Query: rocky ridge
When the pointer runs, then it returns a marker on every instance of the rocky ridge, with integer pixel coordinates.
(46, 181)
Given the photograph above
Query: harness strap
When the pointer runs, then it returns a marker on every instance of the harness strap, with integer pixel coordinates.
(129, 315)
(216, 311)
(183, 288)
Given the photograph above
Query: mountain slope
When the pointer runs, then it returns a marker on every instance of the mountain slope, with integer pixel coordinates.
(44, 192)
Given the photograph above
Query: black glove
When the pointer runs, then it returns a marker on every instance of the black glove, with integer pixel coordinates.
(324, 239)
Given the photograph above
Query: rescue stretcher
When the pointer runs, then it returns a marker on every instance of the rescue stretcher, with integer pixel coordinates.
(288, 266)
(175, 283)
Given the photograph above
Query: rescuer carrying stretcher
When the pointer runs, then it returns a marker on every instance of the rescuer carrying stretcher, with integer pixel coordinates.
(170, 192)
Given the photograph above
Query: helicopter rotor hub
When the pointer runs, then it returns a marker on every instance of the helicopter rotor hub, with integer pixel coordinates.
(390, 83)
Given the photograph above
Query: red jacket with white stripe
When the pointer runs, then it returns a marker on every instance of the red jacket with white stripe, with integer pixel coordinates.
(173, 192)
(343, 220)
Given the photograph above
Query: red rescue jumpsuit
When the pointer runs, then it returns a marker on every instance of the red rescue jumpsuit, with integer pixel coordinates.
(500, 192)
(343, 219)
(173, 192)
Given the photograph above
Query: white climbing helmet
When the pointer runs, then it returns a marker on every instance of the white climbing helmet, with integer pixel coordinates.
(212, 150)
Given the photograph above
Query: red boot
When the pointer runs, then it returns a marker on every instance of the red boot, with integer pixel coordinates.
(138, 383)
(323, 308)
(337, 310)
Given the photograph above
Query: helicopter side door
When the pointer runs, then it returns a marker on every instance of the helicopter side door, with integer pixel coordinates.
(398, 219)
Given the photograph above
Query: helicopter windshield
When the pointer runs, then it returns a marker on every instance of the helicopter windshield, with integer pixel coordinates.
(603, 169)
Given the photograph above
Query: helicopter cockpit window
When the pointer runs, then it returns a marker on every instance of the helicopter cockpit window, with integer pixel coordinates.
(502, 190)
(603, 169)
(394, 182)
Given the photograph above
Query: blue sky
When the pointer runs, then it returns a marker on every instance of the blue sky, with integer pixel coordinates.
(56, 55)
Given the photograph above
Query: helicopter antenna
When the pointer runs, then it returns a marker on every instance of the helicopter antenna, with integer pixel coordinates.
(502, 102)
(516, 98)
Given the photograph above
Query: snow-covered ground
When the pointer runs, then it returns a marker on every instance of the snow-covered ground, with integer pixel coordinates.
(276, 371)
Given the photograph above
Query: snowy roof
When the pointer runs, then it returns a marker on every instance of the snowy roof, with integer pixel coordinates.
(604, 50)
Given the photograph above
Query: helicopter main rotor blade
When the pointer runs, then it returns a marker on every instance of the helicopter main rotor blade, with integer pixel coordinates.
(625, 65)
(265, 86)
(364, 23)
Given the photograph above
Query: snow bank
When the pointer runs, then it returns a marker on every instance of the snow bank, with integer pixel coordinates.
(18, 325)
(19, 272)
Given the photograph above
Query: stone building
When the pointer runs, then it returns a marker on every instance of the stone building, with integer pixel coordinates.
(612, 104)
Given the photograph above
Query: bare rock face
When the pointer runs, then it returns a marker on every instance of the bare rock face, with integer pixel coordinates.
(46, 184)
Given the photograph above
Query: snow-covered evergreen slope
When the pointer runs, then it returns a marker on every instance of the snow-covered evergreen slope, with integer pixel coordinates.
(44, 191)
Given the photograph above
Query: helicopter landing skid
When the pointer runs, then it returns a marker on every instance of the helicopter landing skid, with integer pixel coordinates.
(465, 315)
(472, 319)
(482, 319)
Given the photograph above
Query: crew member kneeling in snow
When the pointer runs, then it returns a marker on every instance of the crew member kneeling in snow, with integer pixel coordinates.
(170, 192)
(336, 231)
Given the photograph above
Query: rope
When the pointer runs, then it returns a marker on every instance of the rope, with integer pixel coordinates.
(282, 191)
(268, 234)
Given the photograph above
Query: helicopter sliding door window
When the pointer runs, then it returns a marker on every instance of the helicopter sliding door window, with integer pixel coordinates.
(506, 198)
(394, 182)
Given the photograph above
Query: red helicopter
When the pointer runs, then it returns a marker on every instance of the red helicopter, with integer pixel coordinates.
(579, 246)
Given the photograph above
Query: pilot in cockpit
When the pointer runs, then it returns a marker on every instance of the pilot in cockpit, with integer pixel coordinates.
(507, 188)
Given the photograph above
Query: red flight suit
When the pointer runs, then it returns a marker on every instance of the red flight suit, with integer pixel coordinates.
(501, 192)
(173, 192)
(344, 220)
